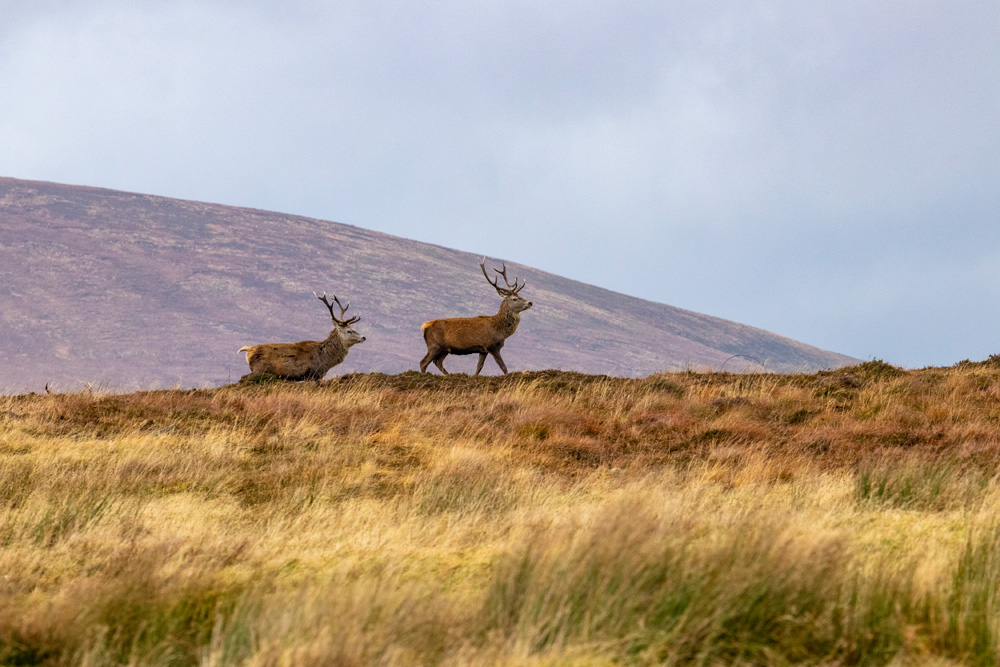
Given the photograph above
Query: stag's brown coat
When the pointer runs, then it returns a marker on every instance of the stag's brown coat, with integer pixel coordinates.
(308, 359)
(481, 335)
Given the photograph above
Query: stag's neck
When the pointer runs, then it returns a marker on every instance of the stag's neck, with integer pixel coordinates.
(506, 320)
(333, 349)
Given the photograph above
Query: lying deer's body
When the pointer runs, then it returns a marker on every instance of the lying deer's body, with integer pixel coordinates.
(306, 360)
(481, 335)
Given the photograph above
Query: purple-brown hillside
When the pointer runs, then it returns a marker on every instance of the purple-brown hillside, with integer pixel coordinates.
(128, 290)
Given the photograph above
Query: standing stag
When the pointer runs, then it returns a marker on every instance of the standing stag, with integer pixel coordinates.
(310, 359)
(476, 335)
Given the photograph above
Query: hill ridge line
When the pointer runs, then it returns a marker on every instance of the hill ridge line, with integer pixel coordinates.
(83, 256)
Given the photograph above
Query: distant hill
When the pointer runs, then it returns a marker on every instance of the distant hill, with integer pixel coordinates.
(128, 290)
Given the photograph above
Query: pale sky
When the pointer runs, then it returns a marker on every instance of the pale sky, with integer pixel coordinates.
(828, 171)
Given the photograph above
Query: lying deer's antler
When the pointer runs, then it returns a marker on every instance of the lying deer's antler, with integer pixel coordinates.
(343, 309)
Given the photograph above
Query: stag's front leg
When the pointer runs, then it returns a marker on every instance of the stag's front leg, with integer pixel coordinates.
(479, 364)
(500, 363)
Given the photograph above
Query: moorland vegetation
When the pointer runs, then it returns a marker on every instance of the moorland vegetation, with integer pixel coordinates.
(844, 517)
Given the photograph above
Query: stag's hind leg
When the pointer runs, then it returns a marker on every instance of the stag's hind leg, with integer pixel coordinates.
(439, 361)
(259, 377)
(432, 352)
(435, 355)
(424, 362)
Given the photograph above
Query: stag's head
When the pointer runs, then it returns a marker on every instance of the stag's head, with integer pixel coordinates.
(510, 295)
(342, 327)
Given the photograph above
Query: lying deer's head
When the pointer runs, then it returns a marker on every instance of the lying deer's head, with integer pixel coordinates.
(510, 294)
(341, 326)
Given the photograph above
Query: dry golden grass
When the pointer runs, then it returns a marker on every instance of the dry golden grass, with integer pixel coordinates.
(847, 517)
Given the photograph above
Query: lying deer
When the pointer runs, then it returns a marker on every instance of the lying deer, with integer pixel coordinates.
(472, 335)
(310, 359)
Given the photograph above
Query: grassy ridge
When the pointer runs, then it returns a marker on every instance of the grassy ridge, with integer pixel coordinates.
(847, 517)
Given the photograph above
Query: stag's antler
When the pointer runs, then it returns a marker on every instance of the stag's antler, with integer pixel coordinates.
(343, 309)
(511, 289)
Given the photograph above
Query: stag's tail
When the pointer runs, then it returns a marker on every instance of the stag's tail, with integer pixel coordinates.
(245, 348)
(423, 328)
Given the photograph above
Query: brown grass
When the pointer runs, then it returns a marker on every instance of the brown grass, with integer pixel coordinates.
(540, 518)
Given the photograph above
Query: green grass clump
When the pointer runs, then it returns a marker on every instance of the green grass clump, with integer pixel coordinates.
(935, 485)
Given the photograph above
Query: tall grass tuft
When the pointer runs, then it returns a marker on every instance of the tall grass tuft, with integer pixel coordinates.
(660, 592)
(970, 608)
